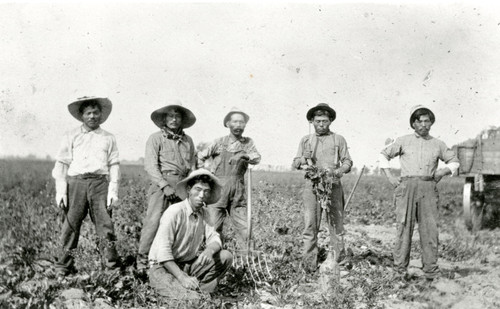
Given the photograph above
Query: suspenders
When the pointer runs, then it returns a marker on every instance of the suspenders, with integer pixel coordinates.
(335, 146)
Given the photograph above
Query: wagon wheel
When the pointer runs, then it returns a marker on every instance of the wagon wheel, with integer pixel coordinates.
(473, 206)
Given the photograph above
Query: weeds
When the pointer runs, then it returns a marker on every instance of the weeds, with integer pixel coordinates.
(30, 226)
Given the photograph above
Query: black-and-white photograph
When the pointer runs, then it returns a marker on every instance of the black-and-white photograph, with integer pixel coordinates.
(331, 154)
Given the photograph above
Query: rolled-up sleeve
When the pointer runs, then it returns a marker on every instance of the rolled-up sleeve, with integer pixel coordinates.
(392, 150)
(65, 153)
(206, 153)
(151, 161)
(253, 154)
(297, 161)
(449, 157)
(113, 155)
(344, 156)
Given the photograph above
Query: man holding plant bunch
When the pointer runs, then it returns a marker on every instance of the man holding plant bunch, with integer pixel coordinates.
(327, 153)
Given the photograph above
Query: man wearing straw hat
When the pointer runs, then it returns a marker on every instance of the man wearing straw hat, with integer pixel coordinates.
(416, 191)
(327, 151)
(87, 173)
(230, 156)
(170, 156)
(186, 254)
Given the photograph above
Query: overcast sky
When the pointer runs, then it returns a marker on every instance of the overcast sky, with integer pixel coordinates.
(370, 61)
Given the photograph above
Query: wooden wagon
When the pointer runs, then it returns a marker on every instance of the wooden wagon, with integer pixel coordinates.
(480, 165)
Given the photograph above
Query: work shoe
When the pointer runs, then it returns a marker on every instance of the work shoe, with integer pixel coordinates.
(64, 272)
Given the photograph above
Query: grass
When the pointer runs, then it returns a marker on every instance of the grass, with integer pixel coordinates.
(30, 225)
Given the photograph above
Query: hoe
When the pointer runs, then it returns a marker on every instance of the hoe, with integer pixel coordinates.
(254, 261)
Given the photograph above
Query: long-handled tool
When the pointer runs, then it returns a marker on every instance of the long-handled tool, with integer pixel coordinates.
(354, 188)
(254, 261)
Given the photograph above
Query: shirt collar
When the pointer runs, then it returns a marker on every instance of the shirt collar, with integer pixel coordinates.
(190, 211)
(84, 130)
(428, 137)
(327, 133)
(233, 139)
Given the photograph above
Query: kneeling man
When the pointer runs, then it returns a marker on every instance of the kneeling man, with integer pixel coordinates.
(186, 253)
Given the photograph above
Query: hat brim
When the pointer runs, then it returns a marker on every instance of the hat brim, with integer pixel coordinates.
(228, 116)
(158, 116)
(105, 103)
(331, 111)
(181, 187)
(413, 117)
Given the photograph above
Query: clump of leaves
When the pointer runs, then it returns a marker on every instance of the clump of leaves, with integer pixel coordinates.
(322, 184)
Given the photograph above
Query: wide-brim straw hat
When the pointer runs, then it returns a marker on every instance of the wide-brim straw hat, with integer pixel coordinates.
(416, 108)
(181, 187)
(105, 103)
(321, 106)
(158, 116)
(235, 110)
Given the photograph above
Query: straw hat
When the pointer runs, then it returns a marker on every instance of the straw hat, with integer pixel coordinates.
(181, 188)
(158, 116)
(105, 103)
(321, 106)
(416, 108)
(235, 110)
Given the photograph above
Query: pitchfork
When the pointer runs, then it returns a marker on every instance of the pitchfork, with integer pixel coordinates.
(253, 260)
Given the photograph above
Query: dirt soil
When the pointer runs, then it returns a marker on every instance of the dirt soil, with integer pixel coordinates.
(470, 284)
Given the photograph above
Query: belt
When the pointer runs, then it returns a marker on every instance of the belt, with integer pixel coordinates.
(89, 176)
(423, 178)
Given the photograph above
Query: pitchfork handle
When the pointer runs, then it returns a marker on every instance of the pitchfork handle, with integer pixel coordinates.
(249, 211)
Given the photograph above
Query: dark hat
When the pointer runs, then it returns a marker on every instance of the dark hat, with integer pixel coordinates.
(105, 103)
(181, 188)
(415, 108)
(158, 116)
(321, 106)
(235, 110)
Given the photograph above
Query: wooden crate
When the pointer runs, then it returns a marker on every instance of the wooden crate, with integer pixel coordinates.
(479, 156)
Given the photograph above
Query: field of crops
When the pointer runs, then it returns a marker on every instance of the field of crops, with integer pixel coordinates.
(29, 238)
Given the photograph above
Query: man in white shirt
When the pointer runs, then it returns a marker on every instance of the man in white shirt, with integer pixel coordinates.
(186, 253)
(87, 173)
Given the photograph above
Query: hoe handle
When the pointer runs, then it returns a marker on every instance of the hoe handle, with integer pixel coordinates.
(249, 210)
(354, 188)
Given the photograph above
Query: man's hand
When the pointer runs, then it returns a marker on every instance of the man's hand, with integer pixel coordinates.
(61, 193)
(111, 200)
(237, 157)
(189, 282)
(206, 257)
(306, 157)
(338, 173)
(61, 200)
(439, 174)
(169, 193)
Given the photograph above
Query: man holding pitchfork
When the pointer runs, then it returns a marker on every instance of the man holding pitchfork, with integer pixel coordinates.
(324, 155)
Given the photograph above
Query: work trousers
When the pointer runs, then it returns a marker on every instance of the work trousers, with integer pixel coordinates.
(157, 204)
(417, 200)
(233, 203)
(87, 195)
(208, 276)
(312, 219)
